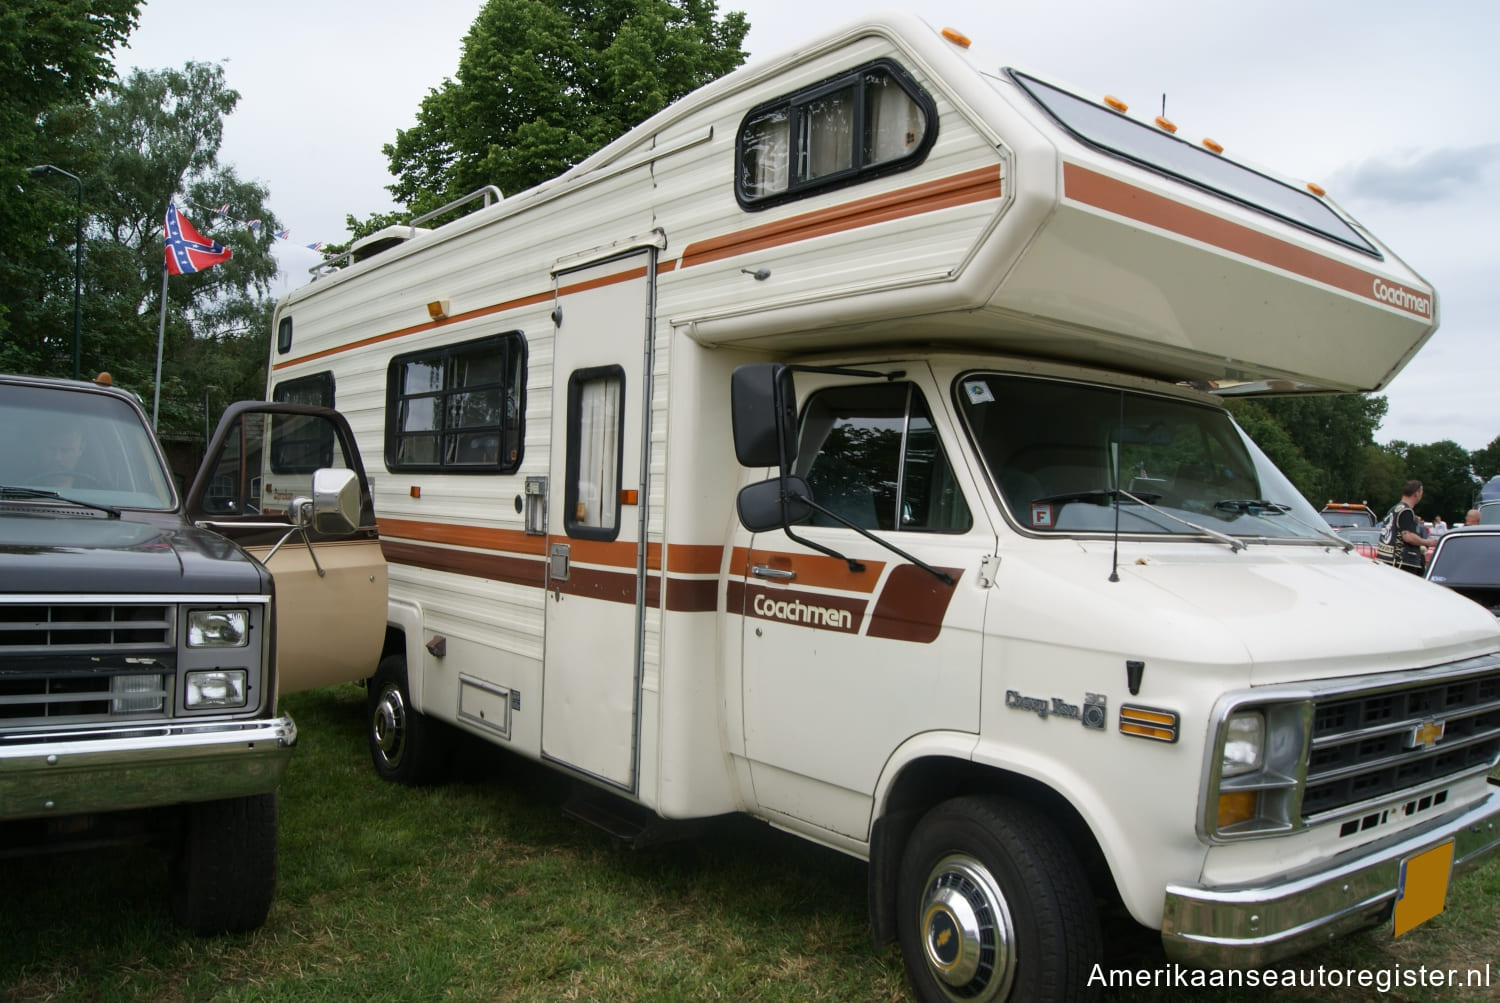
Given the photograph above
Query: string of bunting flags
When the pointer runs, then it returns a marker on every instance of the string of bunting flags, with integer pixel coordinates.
(222, 211)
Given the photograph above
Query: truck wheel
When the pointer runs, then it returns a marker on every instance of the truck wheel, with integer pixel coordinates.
(224, 873)
(406, 746)
(992, 905)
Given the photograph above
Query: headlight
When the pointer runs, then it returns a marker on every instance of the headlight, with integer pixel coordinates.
(1244, 744)
(215, 688)
(218, 628)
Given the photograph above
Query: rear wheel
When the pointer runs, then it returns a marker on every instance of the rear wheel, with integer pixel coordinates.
(406, 746)
(992, 905)
(224, 873)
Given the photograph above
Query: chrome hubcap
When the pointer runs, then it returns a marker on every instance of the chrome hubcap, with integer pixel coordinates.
(388, 726)
(966, 929)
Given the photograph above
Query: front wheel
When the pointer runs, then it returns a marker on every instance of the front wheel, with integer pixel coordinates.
(224, 873)
(992, 905)
(406, 746)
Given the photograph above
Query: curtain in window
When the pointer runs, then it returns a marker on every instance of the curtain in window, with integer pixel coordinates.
(598, 454)
(895, 122)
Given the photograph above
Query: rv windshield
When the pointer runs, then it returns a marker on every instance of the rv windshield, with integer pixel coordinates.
(1052, 448)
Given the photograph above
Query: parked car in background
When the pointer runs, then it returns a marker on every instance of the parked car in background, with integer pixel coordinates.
(1469, 564)
(1364, 538)
(1346, 515)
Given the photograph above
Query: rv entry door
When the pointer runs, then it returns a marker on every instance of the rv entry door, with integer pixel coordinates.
(596, 571)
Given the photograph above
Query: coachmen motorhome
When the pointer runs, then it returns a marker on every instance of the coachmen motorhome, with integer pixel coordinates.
(1000, 598)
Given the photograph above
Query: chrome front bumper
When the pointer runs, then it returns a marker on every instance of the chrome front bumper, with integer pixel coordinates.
(116, 769)
(1252, 926)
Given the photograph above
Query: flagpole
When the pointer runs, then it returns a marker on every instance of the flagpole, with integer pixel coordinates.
(161, 331)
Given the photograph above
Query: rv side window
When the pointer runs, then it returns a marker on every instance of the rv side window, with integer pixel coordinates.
(871, 454)
(864, 123)
(458, 408)
(315, 389)
(596, 406)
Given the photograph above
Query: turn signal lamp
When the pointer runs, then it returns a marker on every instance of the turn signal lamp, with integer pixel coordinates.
(958, 38)
(437, 309)
(1164, 124)
(1237, 806)
(1212, 145)
(1316, 189)
(1116, 104)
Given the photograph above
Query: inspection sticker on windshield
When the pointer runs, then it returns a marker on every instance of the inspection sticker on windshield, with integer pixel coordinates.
(978, 392)
(1041, 515)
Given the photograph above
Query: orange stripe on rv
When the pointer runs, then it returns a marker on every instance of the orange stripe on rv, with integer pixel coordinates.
(479, 537)
(960, 189)
(1115, 196)
(812, 571)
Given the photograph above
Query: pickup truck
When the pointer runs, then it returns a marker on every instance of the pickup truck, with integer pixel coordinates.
(142, 654)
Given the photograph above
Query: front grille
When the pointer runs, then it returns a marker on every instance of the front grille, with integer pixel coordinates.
(1380, 743)
(76, 663)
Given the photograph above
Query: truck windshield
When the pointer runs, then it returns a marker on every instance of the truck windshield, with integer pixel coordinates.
(1061, 454)
(81, 446)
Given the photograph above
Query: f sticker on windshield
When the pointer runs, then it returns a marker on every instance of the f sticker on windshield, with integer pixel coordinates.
(1041, 515)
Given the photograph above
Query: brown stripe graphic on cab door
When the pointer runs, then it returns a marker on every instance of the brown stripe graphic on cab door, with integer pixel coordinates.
(912, 605)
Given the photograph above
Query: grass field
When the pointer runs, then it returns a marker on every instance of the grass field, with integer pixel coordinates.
(481, 890)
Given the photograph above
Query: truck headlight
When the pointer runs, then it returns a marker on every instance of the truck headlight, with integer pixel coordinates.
(215, 688)
(218, 628)
(1244, 744)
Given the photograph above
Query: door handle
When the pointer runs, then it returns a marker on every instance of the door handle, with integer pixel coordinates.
(773, 574)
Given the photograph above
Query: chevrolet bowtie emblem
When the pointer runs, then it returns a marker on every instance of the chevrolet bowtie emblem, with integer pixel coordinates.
(1427, 734)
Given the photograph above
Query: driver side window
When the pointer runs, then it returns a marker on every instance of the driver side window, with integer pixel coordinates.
(871, 455)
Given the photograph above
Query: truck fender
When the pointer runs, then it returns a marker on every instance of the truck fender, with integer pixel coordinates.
(1140, 869)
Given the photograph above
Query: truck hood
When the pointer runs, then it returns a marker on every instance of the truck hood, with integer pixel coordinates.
(48, 553)
(1287, 613)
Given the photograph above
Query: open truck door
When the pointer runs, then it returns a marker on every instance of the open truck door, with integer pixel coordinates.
(285, 482)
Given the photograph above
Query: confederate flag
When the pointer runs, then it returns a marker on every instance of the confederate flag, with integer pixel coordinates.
(188, 250)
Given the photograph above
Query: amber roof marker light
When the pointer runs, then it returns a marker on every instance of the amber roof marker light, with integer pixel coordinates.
(957, 37)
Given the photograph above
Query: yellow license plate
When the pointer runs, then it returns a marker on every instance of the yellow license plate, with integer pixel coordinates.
(1423, 890)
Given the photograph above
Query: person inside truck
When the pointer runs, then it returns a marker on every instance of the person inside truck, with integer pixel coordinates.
(62, 447)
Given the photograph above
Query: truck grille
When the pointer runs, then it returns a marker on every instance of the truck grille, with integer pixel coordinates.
(1380, 743)
(72, 663)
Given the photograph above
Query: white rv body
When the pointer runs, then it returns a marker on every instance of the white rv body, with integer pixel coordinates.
(667, 654)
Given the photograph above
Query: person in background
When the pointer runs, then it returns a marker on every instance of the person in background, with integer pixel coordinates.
(1471, 517)
(1439, 527)
(1411, 546)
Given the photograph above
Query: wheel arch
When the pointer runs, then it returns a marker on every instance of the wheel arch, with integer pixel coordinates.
(403, 636)
(936, 776)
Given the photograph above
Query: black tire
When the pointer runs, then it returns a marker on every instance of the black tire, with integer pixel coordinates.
(992, 904)
(406, 746)
(224, 874)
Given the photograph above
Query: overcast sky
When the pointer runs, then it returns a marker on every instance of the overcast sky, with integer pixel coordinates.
(1394, 108)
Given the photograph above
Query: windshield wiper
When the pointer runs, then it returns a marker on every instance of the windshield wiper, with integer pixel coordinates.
(1098, 496)
(1260, 507)
(8, 491)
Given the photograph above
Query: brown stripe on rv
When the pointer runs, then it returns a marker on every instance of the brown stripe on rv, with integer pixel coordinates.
(512, 540)
(960, 189)
(1112, 195)
(815, 610)
(495, 567)
(912, 605)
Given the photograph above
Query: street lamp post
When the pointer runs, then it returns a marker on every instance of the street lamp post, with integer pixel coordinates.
(207, 429)
(37, 172)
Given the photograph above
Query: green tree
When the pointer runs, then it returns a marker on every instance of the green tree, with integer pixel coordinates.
(54, 56)
(1486, 461)
(1447, 485)
(160, 135)
(1384, 474)
(542, 84)
(1261, 425)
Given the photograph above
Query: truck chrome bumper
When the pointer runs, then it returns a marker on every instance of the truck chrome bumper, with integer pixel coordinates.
(1250, 926)
(116, 769)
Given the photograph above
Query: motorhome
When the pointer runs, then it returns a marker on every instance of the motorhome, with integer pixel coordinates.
(845, 446)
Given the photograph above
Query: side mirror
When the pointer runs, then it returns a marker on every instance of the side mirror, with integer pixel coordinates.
(763, 408)
(335, 502)
(760, 505)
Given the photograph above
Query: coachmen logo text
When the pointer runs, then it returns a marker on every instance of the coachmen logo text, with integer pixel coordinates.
(1402, 297)
(798, 611)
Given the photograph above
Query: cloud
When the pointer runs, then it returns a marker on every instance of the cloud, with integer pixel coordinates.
(1415, 177)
